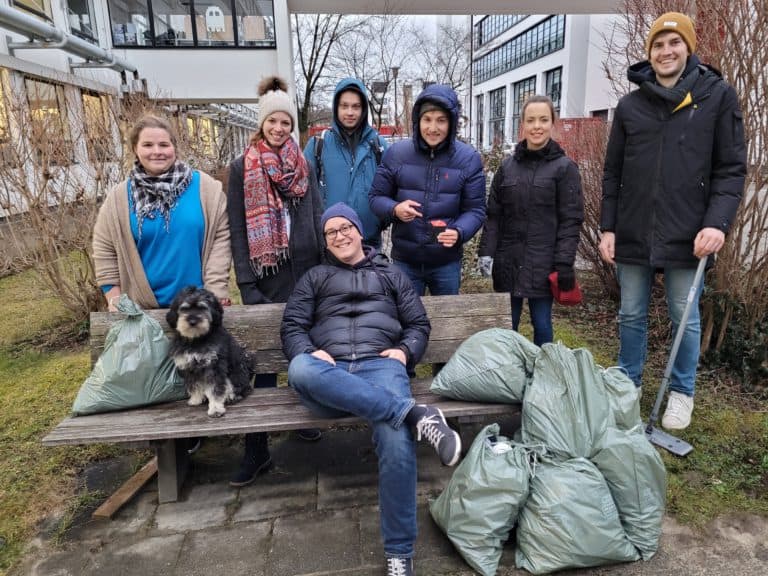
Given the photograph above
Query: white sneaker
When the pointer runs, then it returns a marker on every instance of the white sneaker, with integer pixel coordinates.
(678, 413)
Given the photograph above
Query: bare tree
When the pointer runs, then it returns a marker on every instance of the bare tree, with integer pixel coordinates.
(316, 36)
(378, 45)
(731, 37)
(443, 58)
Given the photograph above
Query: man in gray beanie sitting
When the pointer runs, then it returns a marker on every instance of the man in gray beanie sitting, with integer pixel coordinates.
(353, 330)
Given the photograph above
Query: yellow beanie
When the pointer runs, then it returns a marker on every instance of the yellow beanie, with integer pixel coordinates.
(673, 22)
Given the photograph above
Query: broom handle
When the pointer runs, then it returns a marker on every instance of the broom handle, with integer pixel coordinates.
(678, 340)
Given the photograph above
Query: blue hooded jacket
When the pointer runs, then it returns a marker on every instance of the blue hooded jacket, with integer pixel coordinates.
(448, 182)
(347, 174)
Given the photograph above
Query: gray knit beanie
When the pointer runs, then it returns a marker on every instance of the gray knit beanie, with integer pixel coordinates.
(273, 97)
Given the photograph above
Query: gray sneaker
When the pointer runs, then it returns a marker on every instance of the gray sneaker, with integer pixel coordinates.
(399, 566)
(435, 430)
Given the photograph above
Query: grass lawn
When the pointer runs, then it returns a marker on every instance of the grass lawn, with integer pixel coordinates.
(727, 472)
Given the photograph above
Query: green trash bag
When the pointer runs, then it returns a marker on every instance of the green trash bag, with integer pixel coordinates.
(493, 365)
(637, 480)
(480, 504)
(570, 521)
(623, 397)
(565, 406)
(133, 370)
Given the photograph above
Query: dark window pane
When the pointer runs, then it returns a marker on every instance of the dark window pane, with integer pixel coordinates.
(255, 23)
(129, 21)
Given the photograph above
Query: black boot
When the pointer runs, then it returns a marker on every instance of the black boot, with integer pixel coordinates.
(256, 460)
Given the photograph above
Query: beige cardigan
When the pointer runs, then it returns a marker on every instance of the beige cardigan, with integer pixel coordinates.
(116, 257)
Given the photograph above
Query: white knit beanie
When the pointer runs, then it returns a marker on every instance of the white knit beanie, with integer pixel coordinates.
(273, 97)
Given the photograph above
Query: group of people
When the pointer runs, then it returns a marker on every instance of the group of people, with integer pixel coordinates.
(305, 228)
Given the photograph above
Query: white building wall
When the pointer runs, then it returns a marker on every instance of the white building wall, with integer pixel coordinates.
(584, 86)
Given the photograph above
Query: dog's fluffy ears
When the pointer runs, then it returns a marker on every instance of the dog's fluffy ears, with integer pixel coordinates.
(194, 293)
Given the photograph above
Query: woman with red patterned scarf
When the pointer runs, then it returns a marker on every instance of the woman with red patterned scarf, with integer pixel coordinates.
(274, 210)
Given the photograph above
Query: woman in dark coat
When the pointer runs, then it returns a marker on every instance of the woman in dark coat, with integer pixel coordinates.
(535, 210)
(274, 211)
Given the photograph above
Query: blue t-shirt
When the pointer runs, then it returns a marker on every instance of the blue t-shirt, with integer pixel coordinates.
(172, 258)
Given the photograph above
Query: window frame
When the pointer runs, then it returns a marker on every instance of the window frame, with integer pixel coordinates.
(94, 37)
(238, 42)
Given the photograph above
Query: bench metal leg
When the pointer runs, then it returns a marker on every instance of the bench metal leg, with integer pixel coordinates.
(172, 467)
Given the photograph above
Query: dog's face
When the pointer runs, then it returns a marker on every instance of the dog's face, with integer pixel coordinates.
(194, 313)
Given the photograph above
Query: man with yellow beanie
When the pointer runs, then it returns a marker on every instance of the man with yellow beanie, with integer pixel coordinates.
(674, 176)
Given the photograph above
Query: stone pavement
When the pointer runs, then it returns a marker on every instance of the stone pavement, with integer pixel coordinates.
(316, 514)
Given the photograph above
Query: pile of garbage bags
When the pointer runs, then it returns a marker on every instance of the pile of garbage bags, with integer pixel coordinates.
(580, 481)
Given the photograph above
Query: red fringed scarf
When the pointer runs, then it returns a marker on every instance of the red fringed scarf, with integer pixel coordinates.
(268, 179)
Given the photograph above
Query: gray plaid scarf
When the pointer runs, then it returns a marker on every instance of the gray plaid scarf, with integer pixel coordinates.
(157, 193)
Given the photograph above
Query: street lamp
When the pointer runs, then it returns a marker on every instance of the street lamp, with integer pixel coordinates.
(395, 70)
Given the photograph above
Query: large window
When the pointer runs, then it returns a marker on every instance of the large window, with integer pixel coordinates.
(480, 119)
(522, 90)
(49, 130)
(99, 122)
(81, 21)
(553, 83)
(540, 40)
(39, 7)
(192, 23)
(497, 104)
(493, 25)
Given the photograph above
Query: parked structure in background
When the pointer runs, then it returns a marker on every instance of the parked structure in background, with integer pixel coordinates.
(517, 55)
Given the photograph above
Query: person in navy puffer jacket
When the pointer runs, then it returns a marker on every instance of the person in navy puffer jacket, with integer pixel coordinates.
(433, 189)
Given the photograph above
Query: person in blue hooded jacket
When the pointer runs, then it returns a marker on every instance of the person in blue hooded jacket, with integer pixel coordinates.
(432, 187)
(348, 156)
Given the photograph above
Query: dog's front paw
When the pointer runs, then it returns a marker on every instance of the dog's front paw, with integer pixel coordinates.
(216, 411)
(196, 397)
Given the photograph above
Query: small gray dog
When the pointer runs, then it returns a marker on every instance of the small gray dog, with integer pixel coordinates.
(212, 363)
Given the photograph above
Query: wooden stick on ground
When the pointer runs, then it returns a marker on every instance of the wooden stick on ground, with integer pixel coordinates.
(127, 491)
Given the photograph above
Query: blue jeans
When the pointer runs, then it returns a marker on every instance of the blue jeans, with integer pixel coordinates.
(541, 317)
(377, 389)
(635, 283)
(441, 280)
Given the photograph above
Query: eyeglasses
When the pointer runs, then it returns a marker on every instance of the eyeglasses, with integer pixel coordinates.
(345, 229)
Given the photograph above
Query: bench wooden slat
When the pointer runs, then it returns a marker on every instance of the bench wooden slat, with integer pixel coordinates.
(453, 319)
(263, 411)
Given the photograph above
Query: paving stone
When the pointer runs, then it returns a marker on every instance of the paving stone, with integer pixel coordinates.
(205, 505)
(281, 492)
(149, 556)
(297, 549)
(75, 562)
(355, 484)
(234, 551)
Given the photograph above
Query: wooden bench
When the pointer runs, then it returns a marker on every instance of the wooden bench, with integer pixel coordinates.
(453, 318)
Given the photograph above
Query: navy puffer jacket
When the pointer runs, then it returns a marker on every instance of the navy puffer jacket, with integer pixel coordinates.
(448, 181)
(355, 312)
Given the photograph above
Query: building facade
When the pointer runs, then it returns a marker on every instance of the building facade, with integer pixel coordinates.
(518, 55)
(68, 67)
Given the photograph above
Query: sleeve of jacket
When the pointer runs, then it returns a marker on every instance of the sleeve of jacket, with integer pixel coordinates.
(570, 215)
(246, 279)
(382, 196)
(472, 205)
(490, 237)
(104, 251)
(413, 318)
(729, 166)
(318, 207)
(298, 317)
(216, 273)
(614, 164)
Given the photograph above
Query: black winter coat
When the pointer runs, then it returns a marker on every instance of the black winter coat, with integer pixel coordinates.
(355, 312)
(669, 173)
(305, 245)
(535, 210)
